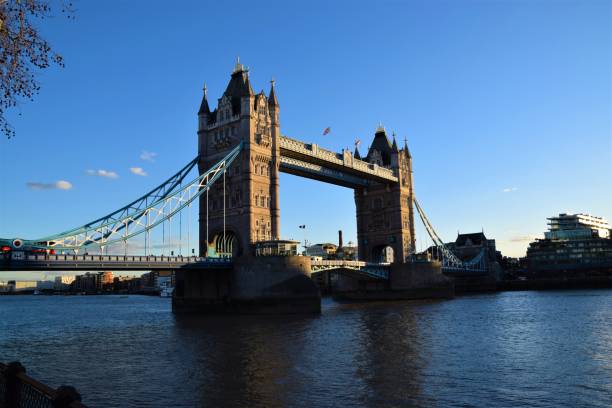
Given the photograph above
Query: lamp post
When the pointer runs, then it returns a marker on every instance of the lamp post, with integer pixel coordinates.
(303, 227)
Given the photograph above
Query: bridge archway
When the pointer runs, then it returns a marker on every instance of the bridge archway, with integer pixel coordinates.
(383, 253)
(225, 245)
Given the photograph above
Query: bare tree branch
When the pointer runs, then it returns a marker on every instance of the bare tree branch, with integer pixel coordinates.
(23, 52)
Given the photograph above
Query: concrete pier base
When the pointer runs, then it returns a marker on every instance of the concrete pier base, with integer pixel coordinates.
(255, 285)
(412, 280)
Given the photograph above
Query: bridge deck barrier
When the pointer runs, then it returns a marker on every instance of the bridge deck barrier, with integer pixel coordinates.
(115, 258)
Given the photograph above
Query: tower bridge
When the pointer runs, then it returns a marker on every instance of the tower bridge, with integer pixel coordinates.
(241, 152)
(382, 181)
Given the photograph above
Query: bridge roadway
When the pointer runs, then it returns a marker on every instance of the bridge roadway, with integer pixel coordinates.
(366, 269)
(69, 262)
(311, 161)
(64, 262)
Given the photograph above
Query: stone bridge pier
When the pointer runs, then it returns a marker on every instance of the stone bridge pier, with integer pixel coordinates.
(265, 284)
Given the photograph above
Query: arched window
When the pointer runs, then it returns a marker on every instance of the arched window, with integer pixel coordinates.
(256, 199)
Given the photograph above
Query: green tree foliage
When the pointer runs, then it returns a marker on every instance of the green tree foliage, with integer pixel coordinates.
(23, 52)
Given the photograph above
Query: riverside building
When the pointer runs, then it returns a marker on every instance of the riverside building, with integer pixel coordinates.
(575, 245)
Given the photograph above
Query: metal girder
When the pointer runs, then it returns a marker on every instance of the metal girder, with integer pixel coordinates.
(449, 260)
(318, 172)
(372, 270)
(143, 214)
(343, 162)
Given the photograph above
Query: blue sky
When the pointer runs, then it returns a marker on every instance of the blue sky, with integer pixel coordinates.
(493, 96)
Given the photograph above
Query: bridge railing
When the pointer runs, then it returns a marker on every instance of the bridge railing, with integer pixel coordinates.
(326, 262)
(20, 390)
(116, 258)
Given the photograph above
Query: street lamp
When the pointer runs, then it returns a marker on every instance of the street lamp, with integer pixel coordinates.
(303, 227)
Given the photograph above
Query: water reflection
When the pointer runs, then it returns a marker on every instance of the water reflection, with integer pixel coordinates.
(545, 349)
(394, 353)
(247, 360)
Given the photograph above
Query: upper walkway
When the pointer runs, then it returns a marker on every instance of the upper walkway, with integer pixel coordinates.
(311, 161)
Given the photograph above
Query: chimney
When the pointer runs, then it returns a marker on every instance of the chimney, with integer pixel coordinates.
(339, 239)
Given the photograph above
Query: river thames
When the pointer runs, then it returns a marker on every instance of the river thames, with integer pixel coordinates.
(536, 349)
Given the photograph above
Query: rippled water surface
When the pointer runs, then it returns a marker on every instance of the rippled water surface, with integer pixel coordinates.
(538, 349)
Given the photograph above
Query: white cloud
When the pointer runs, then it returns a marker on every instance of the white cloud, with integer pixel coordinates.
(58, 185)
(63, 185)
(148, 156)
(510, 189)
(522, 238)
(103, 173)
(138, 171)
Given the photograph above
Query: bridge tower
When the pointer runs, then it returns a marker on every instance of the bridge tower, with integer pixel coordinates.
(244, 210)
(385, 217)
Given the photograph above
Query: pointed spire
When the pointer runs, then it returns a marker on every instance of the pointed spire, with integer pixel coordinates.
(394, 147)
(272, 101)
(204, 108)
(238, 67)
(356, 154)
(406, 148)
(247, 83)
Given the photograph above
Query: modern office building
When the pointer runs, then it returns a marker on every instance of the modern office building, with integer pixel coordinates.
(575, 245)
(577, 226)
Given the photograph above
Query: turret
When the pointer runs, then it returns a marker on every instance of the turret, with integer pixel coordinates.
(273, 105)
(406, 150)
(394, 148)
(394, 153)
(204, 111)
(203, 116)
(380, 149)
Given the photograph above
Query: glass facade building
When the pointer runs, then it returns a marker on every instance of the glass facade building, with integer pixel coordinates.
(575, 244)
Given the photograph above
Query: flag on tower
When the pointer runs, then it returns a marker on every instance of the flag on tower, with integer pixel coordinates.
(357, 142)
(326, 131)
